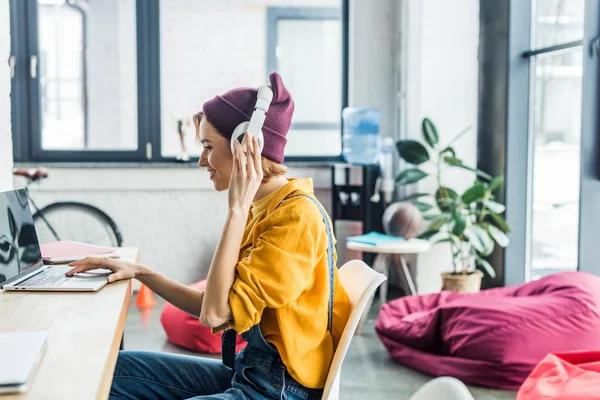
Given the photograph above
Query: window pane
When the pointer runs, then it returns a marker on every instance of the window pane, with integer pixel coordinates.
(211, 46)
(308, 53)
(556, 22)
(88, 83)
(556, 113)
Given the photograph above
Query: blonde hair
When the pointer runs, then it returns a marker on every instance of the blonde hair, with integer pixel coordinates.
(270, 168)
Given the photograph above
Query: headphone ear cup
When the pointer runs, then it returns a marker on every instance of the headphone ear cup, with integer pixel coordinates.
(238, 133)
(240, 130)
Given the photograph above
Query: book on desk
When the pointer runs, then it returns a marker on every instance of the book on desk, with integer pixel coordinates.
(375, 239)
(66, 251)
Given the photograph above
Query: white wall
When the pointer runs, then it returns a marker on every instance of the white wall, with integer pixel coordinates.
(442, 83)
(6, 159)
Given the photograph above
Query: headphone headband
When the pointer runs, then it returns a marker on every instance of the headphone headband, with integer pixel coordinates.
(264, 97)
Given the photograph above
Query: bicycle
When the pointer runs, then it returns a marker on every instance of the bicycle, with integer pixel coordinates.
(69, 220)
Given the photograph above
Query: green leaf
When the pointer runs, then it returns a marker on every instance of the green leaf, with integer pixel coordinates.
(494, 206)
(427, 235)
(457, 162)
(474, 193)
(410, 175)
(486, 266)
(437, 223)
(500, 237)
(452, 160)
(479, 238)
(459, 223)
(414, 196)
(430, 132)
(431, 217)
(447, 150)
(445, 197)
(412, 151)
(500, 221)
(445, 240)
(496, 182)
(423, 207)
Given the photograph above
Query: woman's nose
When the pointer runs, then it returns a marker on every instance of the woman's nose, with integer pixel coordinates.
(202, 161)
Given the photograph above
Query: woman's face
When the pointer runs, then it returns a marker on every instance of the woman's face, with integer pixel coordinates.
(216, 155)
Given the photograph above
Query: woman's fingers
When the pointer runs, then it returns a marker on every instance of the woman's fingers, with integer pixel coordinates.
(238, 153)
(257, 155)
(117, 276)
(87, 264)
(249, 144)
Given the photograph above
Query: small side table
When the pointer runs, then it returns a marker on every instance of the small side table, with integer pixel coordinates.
(392, 252)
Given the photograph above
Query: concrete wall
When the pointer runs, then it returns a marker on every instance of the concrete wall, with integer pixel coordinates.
(6, 157)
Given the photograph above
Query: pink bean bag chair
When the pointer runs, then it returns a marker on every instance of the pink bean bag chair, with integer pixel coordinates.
(496, 337)
(185, 330)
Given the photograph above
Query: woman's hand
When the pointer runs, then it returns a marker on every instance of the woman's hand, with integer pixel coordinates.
(121, 269)
(246, 176)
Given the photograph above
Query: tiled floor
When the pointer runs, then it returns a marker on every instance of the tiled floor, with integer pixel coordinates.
(368, 371)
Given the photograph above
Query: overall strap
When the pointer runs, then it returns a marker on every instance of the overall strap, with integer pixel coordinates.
(228, 343)
(330, 260)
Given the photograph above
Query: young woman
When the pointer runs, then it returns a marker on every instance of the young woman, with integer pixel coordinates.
(272, 279)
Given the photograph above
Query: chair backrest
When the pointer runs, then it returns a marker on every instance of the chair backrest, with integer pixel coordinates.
(360, 282)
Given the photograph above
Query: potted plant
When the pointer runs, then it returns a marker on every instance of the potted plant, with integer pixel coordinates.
(470, 222)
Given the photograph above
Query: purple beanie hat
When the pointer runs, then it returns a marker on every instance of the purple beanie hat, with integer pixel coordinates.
(232, 108)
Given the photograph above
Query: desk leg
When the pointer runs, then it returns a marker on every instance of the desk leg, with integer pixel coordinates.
(399, 260)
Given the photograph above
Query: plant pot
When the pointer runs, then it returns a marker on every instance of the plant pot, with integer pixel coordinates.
(462, 283)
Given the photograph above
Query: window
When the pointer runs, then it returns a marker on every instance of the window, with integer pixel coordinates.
(304, 46)
(75, 80)
(555, 113)
(118, 80)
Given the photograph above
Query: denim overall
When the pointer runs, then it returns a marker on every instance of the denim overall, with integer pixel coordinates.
(259, 368)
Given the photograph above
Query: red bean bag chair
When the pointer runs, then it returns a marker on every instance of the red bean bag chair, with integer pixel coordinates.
(496, 337)
(185, 330)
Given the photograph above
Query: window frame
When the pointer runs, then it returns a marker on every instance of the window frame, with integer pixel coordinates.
(519, 138)
(26, 100)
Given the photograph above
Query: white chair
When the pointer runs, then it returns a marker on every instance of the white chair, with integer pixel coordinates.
(360, 282)
(443, 388)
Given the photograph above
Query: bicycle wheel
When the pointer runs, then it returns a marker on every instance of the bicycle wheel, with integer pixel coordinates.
(78, 222)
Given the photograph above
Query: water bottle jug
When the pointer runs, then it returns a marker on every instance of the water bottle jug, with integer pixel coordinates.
(361, 143)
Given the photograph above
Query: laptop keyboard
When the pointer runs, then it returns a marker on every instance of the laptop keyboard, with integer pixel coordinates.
(49, 278)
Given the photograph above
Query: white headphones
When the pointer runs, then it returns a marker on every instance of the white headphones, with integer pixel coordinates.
(254, 126)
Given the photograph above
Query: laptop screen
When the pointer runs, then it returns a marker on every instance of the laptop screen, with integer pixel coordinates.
(19, 246)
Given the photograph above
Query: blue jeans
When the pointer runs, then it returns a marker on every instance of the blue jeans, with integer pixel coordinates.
(257, 373)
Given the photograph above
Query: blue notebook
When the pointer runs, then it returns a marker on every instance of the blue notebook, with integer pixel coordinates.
(374, 239)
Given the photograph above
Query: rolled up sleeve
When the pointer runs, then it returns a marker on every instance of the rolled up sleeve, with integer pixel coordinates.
(275, 272)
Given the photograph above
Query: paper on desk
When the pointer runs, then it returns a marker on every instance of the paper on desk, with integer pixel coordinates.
(375, 239)
(68, 249)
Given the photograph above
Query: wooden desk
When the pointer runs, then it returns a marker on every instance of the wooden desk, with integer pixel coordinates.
(84, 334)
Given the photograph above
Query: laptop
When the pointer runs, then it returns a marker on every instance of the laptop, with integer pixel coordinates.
(21, 264)
(22, 352)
